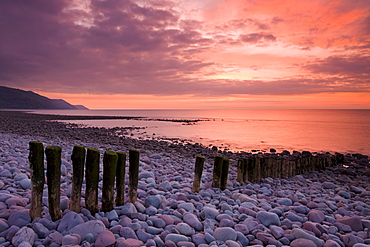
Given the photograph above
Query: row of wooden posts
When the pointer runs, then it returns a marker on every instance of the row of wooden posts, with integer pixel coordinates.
(113, 169)
(251, 169)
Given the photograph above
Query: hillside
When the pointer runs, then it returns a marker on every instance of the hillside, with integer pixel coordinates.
(11, 98)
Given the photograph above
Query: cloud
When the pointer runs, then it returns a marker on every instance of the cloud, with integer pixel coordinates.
(153, 47)
(354, 65)
(257, 37)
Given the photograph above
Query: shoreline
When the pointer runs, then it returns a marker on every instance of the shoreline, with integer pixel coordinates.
(47, 125)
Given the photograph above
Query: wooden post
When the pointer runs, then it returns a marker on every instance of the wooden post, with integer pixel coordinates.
(245, 170)
(133, 174)
(252, 170)
(53, 173)
(240, 172)
(36, 159)
(92, 180)
(120, 178)
(109, 174)
(78, 162)
(198, 170)
(224, 174)
(217, 171)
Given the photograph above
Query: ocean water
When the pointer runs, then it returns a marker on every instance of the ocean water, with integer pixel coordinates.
(245, 130)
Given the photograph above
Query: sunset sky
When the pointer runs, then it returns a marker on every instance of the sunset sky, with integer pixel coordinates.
(189, 54)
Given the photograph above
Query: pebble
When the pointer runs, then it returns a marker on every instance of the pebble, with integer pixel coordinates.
(105, 238)
(24, 234)
(311, 209)
(93, 226)
(354, 222)
(299, 233)
(19, 219)
(71, 239)
(316, 216)
(302, 242)
(267, 218)
(193, 221)
(225, 233)
(68, 221)
(175, 238)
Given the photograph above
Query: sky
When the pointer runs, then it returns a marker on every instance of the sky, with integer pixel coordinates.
(168, 54)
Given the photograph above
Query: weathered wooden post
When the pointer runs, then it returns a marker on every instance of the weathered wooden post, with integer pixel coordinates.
(92, 180)
(109, 174)
(198, 170)
(252, 169)
(133, 174)
(224, 174)
(53, 173)
(263, 168)
(241, 171)
(245, 172)
(78, 163)
(120, 178)
(36, 159)
(217, 171)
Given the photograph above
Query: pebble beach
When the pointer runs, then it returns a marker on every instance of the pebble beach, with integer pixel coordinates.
(327, 208)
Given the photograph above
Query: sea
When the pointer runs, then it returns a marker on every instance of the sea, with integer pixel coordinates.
(344, 131)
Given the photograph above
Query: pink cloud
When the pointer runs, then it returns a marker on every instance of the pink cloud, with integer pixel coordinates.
(154, 48)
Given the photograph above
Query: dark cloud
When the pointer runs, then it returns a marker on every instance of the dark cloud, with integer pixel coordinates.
(257, 37)
(119, 46)
(354, 65)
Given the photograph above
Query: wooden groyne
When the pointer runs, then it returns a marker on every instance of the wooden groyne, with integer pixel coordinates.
(86, 164)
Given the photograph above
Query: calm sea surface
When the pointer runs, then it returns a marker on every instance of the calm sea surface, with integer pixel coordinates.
(245, 130)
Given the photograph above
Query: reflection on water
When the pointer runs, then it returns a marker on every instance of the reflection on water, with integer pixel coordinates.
(313, 130)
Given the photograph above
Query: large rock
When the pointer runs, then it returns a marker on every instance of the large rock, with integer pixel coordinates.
(316, 216)
(299, 233)
(25, 234)
(176, 238)
(154, 201)
(267, 218)
(105, 238)
(127, 232)
(71, 239)
(349, 239)
(193, 221)
(209, 213)
(19, 219)
(54, 237)
(224, 233)
(3, 225)
(129, 243)
(354, 222)
(69, 220)
(185, 229)
(128, 209)
(93, 226)
(302, 242)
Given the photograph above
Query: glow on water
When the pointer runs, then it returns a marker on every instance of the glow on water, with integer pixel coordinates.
(313, 130)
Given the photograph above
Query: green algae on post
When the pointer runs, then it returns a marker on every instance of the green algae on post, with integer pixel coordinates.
(92, 180)
(109, 174)
(198, 170)
(217, 170)
(133, 175)
(53, 174)
(120, 178)
(78, 163)
(36, 159)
